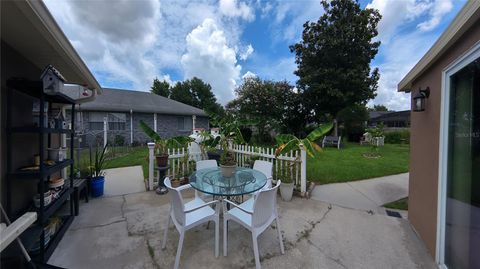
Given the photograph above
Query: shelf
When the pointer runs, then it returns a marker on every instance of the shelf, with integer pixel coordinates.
(35, 89)
(48, 170)
(33, 129)
(57, 237)
(55, 205)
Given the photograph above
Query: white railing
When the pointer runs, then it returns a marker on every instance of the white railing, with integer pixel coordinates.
(292, 164)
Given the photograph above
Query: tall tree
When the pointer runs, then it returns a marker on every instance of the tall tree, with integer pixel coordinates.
(270, 105)
(334, 58)
(161, 87)
(197, 93)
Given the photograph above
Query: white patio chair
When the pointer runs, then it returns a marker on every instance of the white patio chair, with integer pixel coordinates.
(256, 217)
(203, 165)
(266, 168)
(188, 215)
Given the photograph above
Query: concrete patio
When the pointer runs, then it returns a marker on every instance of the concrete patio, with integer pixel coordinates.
(126, 231)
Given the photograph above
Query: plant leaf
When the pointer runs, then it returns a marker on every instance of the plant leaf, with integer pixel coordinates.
(286, 147)
(320, 131)
(150, 132)
(309, 148)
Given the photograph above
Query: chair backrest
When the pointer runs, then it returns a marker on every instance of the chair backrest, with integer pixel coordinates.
(176, 201)
(265, 205)
(206, 164)
(264, 167)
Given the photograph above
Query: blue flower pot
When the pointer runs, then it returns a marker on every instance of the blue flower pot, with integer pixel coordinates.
(97, 185)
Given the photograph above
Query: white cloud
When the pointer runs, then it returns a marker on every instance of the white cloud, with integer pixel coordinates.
(246, 52)
(233, 9)
(209, 57)
(249, 75)
(438, 10)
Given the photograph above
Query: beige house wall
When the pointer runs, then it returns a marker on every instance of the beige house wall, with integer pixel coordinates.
(424, 152)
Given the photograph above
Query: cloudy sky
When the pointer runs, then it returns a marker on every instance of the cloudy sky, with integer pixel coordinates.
(127, 43)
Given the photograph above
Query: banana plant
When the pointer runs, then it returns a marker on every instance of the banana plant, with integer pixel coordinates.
(163, 144)
(288, 142)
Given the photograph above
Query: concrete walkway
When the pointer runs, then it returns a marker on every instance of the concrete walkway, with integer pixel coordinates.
(126, 232)
(368, 194)
(124, 180)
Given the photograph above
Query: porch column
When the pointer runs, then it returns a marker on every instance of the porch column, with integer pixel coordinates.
(194, 120)
(155, 121)
(131, 126)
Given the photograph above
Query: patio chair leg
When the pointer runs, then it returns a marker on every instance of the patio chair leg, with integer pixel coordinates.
(225, 237)
(255, 251)
(164, 243)
(282, 249)
(179, 249)
(217, 235)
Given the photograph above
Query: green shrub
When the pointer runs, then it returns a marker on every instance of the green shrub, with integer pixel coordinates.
(397, 137)
(119, 140)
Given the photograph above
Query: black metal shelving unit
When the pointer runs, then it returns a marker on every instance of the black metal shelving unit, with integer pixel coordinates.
(42, 175)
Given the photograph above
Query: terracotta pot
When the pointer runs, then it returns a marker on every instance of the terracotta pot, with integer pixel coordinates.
(176, 183)
(162, 160)
(227, 170)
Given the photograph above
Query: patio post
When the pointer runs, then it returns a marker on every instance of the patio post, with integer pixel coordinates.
(303, 170)
(151, 146)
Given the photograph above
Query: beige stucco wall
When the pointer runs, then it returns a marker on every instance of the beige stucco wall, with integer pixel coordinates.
(424, 152)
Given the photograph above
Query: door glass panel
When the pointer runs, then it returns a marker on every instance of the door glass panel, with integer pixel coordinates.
(462, 227)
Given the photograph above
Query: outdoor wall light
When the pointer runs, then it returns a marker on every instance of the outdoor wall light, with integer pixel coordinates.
(419, 99)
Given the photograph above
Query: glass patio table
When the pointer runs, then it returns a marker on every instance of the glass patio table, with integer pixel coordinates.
(211, 181)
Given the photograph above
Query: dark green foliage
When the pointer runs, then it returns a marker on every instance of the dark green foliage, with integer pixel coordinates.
(397, 137)
(97, 161)
(246, 133)
(119, 140)
(334, 58)
(197, 93)
(353, 121)
(380, 108)
(272, 106)
(161, 88)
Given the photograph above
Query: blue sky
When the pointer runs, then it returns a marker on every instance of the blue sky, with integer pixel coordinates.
(128, 43)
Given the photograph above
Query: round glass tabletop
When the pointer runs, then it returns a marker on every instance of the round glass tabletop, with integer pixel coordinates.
(211, 181)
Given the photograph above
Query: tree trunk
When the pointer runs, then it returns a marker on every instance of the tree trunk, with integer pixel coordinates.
(335, 130)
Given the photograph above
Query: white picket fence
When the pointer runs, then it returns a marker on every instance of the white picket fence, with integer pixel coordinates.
(292, 164)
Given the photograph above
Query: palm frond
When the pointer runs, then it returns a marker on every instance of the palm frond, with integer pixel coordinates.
(320, 131)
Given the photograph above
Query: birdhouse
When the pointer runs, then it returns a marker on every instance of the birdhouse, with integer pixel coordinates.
(52, 80)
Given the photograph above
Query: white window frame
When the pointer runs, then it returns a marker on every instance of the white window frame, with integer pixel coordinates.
(468, 57)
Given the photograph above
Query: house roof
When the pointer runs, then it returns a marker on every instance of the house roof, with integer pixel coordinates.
(392, 116)
(120, 100)
(376, 114)
(469, 14)
(29, 28)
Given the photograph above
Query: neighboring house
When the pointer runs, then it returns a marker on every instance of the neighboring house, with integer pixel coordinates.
(124, 109)
(444, 188)
(392, 120)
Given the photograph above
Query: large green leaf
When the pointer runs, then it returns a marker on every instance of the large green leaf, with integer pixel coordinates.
(150, 132)
(310, 147)
(287, 147)
(284, 138)
(322, 130)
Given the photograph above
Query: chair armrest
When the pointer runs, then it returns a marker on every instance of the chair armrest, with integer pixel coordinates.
(200, 206)
(237, 206)
(184, 187)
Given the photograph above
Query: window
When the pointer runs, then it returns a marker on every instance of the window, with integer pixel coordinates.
(185, 123)
(116, 121)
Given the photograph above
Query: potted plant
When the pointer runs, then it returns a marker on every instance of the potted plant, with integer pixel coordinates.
(287, 186)
(376, 141)
(97, 173)
(289, 142)
(163, 144)
(229, 134)
(208, 145)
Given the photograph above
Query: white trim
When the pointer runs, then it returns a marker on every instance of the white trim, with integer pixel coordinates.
(468, 57)
(155, 122)
(131, 127)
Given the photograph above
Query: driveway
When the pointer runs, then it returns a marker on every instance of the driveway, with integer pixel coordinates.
(126, 232)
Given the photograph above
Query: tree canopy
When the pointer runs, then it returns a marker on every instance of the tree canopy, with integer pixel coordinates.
(161, 88)
(197, 93)
(378, 108)
(334, 56)
(272, 106)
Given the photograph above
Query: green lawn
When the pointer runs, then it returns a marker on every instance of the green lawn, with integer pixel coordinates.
(401, 204)
(137, 156)
(348, 164)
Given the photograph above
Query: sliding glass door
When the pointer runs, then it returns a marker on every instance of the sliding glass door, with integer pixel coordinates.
(462, 199)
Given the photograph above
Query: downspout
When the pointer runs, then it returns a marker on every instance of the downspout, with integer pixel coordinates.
(155, 122)
(131, 127)
(194, 120)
